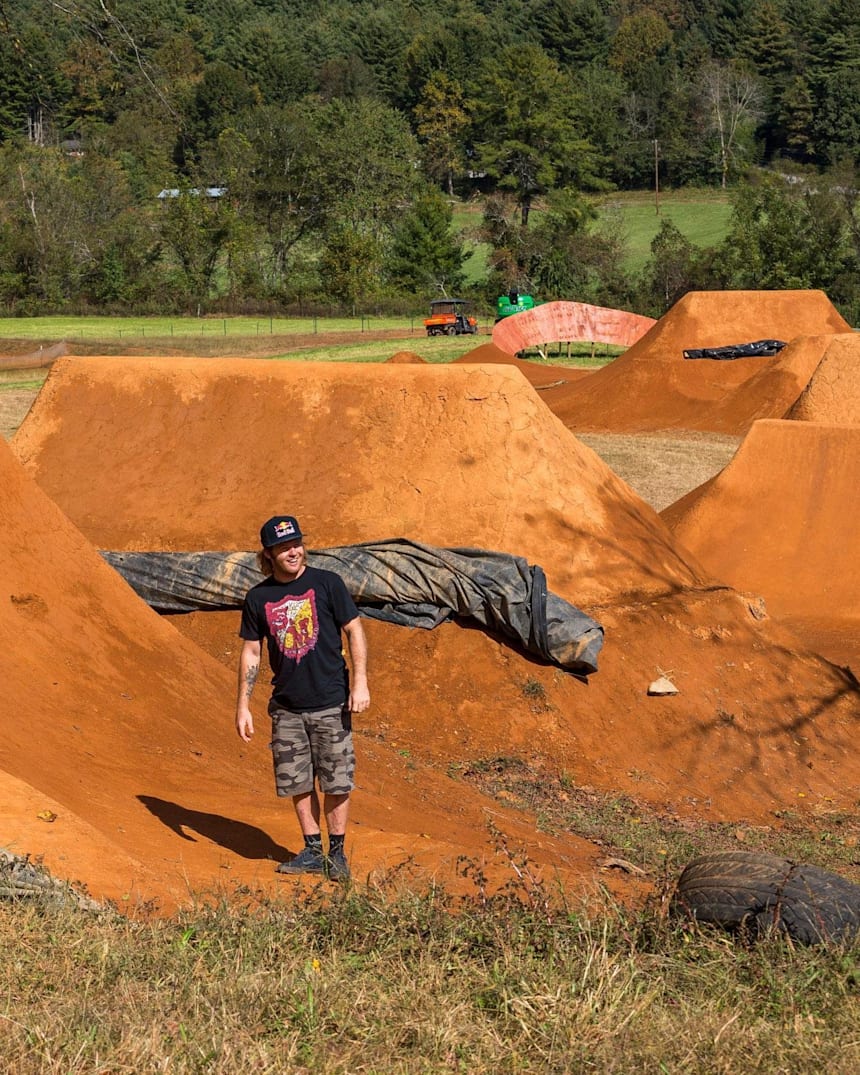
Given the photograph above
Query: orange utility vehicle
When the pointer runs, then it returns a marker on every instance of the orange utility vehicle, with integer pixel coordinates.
(448, 317)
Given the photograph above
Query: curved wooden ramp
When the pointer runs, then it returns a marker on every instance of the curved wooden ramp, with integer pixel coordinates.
(569, 321)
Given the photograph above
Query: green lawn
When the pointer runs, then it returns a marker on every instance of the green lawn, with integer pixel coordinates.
(467, 220)
(89, 328)
(700, 214)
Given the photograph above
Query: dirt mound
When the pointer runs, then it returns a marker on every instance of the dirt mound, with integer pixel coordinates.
(778, 521)
(446, 455)
(119, 765)
(833, 392)
(191, 455)
(538, 376)
(652, 386)
(569, 321)
(405, 357)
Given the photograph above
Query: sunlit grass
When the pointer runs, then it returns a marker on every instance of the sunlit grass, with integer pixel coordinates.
(701, 215)
(142, 328)
(385, 981)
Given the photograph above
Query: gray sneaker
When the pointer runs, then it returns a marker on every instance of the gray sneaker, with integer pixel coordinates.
(308, 860)
(338, 867)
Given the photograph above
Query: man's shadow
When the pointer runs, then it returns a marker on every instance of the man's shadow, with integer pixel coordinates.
(245, 840)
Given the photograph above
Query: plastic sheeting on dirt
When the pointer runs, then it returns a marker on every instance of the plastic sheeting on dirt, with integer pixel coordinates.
(758, 349)
(399, 581)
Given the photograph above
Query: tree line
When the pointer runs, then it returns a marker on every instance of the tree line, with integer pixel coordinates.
(187, 154)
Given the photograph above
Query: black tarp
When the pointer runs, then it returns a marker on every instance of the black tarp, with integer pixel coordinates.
(399, 581)
(758, 349)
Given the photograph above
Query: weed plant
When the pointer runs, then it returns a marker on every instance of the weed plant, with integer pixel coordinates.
(658, 842)
(388, 979)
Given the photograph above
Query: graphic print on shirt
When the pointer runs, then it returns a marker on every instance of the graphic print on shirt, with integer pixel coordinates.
(293, 622)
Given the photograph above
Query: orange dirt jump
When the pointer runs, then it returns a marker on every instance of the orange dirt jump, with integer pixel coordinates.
(833, 392)
(781, 519)
(653, 387)
(120, 722)
(539, 376)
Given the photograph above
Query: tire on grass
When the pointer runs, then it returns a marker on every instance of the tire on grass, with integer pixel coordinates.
(819, 907)
(755, 892)
(730, 888)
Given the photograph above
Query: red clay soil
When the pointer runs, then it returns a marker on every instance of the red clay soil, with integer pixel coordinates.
(120, 768)
(653, 387)
(538, 376)
(569, 321)
(405, 358)
(781, 520)
(183, 454)
(833, 392)
(191, 454)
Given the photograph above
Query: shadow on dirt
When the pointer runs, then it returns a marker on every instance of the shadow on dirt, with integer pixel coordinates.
(236, 836)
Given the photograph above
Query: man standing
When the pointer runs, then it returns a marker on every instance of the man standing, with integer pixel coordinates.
(300, 611)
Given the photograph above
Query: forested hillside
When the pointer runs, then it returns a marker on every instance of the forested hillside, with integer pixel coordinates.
(161, 154)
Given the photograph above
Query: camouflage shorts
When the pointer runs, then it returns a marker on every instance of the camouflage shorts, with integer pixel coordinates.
(315, 743)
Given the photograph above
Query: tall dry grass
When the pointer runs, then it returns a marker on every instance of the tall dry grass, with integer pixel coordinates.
(387, 980)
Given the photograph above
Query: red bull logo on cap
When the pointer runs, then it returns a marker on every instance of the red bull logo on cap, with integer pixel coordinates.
(278, 529)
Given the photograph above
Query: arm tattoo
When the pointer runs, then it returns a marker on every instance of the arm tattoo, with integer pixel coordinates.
(250, 679)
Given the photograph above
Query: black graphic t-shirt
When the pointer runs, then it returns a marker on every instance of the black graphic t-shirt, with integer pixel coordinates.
(301, 622)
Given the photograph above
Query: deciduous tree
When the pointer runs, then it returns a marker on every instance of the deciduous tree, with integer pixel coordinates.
(732, 98)
(442, 124)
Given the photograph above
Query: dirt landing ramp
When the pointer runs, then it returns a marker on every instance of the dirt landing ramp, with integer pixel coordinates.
(538, 375)
(120, 767)
(652, 386)
(192, 455)
(781, 520)
(195, 454)
(833, 393)
(407, 358)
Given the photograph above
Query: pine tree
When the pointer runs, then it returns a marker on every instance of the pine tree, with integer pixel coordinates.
(426, 257)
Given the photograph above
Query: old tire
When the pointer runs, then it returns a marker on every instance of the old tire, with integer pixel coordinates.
(750, 891)
(730, 889)
(819, 906)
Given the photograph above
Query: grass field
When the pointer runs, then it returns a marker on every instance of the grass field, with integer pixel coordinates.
(700, 214)
(90, 328)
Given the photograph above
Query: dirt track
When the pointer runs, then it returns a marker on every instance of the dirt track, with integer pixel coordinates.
(652, 387)
(127, 732)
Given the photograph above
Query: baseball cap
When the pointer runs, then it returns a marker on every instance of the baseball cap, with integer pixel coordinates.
(280, 528)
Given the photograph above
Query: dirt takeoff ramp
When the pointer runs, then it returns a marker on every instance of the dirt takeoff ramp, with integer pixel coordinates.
(653, 387)
(833, 392)
(539, 376)
(191, 455)
(781, 520)
(119, 765)
(184, 454)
